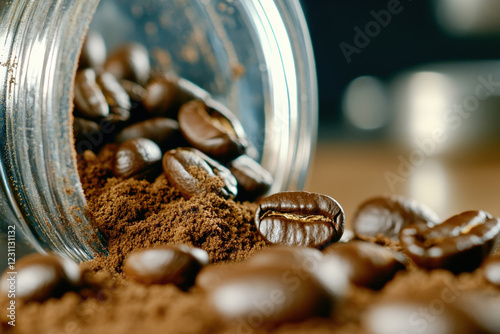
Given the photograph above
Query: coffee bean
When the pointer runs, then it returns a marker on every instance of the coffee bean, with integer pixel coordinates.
(417, 315)
(367, 265)
(89, 98)
(41, 276)
(215, 132)
(116, 96)
(458, 244)
(300, 218)
(284, 256)
(253, 180)
(194, 173)
(162, 97)
(93, 52)
(136, 158)
(388, 215)
(129, 61)
(491, 269)
(347, 236)
(163, 131)
(269, 296)
(177, 265)
(136, 94)
(213, 275)
(83, 128)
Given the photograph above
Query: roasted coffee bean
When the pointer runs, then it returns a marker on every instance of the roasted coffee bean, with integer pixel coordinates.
(253, 180)
(388, 215)
(458, 244)
(129, 61)
(89, 98)
(491, 269)
(163, 131)
(284, 256)
(177, 265)
(194, 173)
(93, 52)
(347, 236)
(427, 314)
(116, 96)
(83, 128)
(300, 218)
(366, 264)
(213, 275)
(135, 91)
(162, 97)
(269, 297)
(136, 158)
(40, 277)
(215, 132)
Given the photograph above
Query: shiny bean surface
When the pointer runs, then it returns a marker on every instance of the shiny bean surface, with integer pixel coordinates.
(212, 131)
(89, 98)
(368, 265)
(177, 265)
(458, 244)
(491, 269)
(388, 215)
(269, 297)
(194, 173)
(129, 61)
(40, 277)
(253, 180)
(300, 218)
(137, 158)
(163, 131)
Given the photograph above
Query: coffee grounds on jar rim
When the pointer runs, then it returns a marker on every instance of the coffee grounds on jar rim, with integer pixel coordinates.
(134, 214)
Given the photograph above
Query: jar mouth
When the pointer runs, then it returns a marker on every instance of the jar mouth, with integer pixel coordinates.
(279, 86)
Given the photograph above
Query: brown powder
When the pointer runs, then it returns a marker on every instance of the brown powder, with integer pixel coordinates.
(134, 214)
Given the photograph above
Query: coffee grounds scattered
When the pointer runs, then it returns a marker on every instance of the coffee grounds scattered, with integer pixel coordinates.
(134, 214)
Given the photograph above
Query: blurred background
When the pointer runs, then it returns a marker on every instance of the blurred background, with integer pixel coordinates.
(408, 101)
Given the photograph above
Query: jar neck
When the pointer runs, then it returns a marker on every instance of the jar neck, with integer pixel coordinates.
(40, 185)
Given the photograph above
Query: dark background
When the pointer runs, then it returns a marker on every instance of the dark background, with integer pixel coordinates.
(412, 38)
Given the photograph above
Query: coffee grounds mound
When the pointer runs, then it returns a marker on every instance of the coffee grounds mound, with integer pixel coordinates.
(134, 214)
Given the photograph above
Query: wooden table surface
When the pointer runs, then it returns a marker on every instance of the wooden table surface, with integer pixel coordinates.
(352, 173)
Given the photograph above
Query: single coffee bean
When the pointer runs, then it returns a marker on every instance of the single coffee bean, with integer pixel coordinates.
(163, 131)
(177, 265)
(458, 244)
(40, 277)
(136, 158)
(162, 97)
(213, 275)
(304, 258)
(300, 218)
(366, 264)
(93, 52)
(83, 128)
(388, 215)
(129, 61)
(253, 180)
(135, 91)
(116, 96)
(89, 98)
(491, 269)
(407, 316)
(269, 296)
(215, 132)
(194, 173)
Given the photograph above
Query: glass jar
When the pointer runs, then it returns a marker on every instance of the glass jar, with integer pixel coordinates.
(255, 56)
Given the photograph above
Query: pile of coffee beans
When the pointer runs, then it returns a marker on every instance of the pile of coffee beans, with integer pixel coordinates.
(161, 123)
